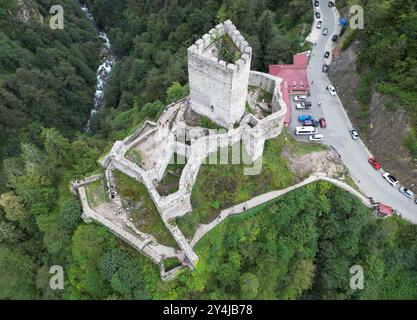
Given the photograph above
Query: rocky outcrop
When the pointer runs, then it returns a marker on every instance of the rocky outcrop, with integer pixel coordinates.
(26, 12)
(386, 128)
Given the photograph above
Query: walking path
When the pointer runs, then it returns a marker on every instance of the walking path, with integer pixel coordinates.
(203, 229)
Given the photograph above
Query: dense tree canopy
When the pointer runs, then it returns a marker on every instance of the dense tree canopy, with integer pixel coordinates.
(298, 247)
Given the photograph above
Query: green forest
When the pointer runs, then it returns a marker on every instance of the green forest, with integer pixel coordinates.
(388, 56)
(298, 247)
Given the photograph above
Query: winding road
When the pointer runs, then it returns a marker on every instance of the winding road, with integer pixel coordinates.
(354, 154)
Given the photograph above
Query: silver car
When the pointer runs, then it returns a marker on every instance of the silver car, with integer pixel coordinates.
(406, 192)
(300, 98)
(316, 138)
(354, 134)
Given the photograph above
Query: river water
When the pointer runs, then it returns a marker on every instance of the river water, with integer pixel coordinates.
(103, 72)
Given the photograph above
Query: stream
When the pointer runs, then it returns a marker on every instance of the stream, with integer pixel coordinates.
(103, 72)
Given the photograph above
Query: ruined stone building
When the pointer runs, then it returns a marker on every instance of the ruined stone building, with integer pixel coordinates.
(218, 72)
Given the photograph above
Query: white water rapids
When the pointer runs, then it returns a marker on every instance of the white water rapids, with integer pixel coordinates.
(103, 71)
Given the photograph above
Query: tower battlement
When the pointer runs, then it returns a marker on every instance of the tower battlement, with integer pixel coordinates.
(218, 88)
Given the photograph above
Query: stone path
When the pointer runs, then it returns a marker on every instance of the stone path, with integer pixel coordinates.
(203, 229)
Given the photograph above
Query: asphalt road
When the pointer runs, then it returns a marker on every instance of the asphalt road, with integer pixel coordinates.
(353, 152)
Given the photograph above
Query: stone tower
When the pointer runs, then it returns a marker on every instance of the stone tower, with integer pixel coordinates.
(218, 88)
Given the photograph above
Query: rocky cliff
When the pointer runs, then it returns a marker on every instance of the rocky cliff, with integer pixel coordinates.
(26, 11)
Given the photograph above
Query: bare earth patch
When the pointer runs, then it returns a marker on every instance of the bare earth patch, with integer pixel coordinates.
(303, 165)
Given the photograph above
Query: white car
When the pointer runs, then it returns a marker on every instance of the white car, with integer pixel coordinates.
(354, 133)
(332, 90)
(316, 138)
(319, 24)
(406, 192)
(300, 98)
(390, 179)
(300, 106)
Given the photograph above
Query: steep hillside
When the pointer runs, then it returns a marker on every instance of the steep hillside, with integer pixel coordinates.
(47, 77)
(376, 78)
(383, 128)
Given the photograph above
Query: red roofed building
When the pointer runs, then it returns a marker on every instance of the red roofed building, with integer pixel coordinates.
(385, 210)
(294, 79)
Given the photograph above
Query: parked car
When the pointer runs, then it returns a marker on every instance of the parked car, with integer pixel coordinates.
(318, 15)
(316, 3)
(323, 123)
(316, 138)
(374, 163)
(390, 179)
(304, 118)
(319, 24)
(335, 37)
(307, 104)
(310, 123)
(331, 4)
(300, 106)
(325, 68)
(327, 54)
(406, 192)
(303, 106)
(300, 98)
(354, 134)
(331, 89)
(325, 32)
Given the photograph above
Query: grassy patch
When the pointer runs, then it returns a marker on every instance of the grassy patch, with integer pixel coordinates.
(228, 51)
(145, 214)
(301, 148)
(169, 184)
(248, 108)
(96, 194)
(224, 185)
(171, 263)
(264, 95)
(134, 156)
(205, 122)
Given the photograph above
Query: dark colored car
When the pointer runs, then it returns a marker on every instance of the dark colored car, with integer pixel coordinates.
(318, 15)
(374, 163)
(323, 123)
(335, 37)
(331, 4)
(316, 3)
(325, 68)
(310, 123)
(307, 104)
(327, 54)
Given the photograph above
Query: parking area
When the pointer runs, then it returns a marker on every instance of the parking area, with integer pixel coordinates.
(315, 111)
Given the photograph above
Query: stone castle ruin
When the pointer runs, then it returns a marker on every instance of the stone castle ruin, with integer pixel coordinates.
(219, 90)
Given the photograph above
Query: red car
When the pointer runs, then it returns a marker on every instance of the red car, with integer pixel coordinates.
(322, 123)
(374, 163)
